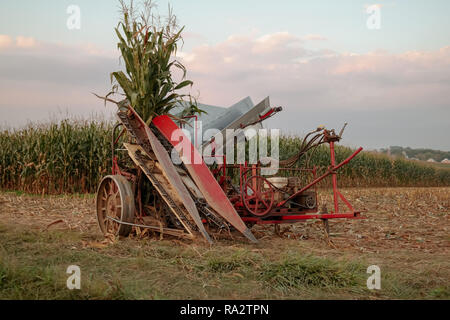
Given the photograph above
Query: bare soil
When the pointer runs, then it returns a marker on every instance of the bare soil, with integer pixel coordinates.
(415, 219)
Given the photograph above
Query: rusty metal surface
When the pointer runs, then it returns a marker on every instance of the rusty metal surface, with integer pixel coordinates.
(160, 183)
(151, 144)
(174, 178)
(193, 193)
(203, 177)
(162, 230)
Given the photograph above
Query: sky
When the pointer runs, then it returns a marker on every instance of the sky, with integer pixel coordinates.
(321, 60)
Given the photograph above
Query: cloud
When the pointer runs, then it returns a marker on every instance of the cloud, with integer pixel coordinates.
(244, 56)
(29, 61)
(281, 65)
(369, 7)
(388, 99)
(25, 42)
(5, 41)
(37, 78)
(278, 64)
(408, 91)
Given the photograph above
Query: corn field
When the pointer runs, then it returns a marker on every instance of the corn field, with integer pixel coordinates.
(148, 48)
(72, 156)
(68, 157)
(369, 169)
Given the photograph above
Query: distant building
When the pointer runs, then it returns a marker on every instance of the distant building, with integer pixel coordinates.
(446, 161)
(431, 160)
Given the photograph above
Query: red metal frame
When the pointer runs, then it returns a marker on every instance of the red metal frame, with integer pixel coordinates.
(267, 198)
(280, 213)
(201, 174)
(302, 217)
(331, 171)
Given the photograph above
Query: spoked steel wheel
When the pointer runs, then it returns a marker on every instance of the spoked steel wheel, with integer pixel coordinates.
(258, 196)
(115, 204)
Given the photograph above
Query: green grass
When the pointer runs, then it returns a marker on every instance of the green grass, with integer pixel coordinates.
(33, 266)
(309, 271)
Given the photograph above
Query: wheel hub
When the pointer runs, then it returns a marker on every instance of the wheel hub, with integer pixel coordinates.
(111, 206)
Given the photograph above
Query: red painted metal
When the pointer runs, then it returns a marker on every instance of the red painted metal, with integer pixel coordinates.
(268, 114)
(330, 171)
(195, 128)
(295, 218)
(283, 212)
(175, 180)
(115, 167)
(201, 174)
(345, 201)
(334, 177)
(240, 207)
(119, 136)
(220, 167)
(258, 203)
(170, 172)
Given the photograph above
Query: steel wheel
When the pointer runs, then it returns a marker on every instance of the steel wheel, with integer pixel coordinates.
(115, 200)
(258, 196)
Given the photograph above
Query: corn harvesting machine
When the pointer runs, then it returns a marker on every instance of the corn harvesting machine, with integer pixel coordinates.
(189, 199)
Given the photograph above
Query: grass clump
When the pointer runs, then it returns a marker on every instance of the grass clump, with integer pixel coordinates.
(440, 293)
(310, 271)
(224, 265)
(48, 283)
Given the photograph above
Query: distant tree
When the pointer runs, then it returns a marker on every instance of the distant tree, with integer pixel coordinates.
(421, 153)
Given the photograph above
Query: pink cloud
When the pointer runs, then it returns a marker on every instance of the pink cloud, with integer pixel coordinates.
(375, 90)
(272, 42)
(25, 42)
(38, 75)
(5, 41)
(280, 65)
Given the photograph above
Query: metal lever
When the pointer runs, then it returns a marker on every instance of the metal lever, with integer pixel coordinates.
(342, 130)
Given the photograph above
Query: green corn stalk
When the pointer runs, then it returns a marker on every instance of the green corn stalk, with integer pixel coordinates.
(72, 156)
(148, 49)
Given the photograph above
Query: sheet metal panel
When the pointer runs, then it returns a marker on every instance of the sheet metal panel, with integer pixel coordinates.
(250, 117)
(202, 176)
